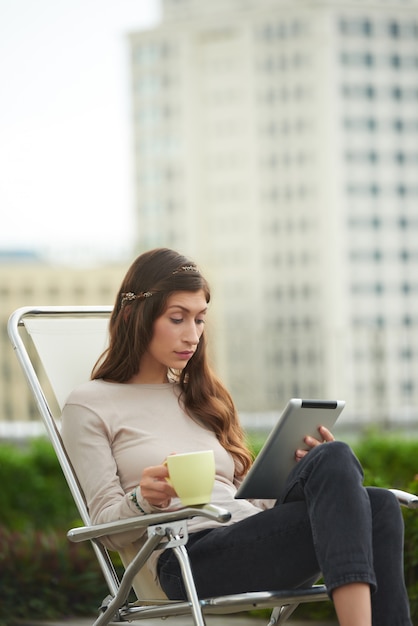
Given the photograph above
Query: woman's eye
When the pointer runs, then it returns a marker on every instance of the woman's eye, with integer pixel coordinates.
(200, 321)
(176, 320)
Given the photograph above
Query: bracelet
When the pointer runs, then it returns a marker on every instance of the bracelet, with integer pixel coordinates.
(134, 499)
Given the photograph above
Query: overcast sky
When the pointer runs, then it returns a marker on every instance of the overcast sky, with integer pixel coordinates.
(65, 144)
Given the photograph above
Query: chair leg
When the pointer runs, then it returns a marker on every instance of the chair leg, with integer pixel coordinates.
(112, 608)
(184, 562)
(281, 613)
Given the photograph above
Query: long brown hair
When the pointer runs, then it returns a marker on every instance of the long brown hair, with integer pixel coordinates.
(156, 275)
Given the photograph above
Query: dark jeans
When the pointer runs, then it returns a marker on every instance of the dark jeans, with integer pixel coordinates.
(325, 522)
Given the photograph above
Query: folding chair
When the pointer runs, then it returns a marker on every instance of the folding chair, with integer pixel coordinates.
(67, 342)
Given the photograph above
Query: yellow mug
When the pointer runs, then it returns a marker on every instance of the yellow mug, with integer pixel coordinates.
(192, 474)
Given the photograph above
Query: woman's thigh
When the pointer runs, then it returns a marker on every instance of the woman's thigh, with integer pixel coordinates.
(270, 550)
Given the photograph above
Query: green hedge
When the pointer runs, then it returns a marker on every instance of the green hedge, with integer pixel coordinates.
(34, 493)
(43, 575)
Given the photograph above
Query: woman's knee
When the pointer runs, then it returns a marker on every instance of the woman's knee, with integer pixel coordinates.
(339, 457)
(385, 506)
(333, 464)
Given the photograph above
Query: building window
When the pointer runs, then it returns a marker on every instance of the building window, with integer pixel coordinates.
(380, 321)
(406, 354)
(393, 29)
(407, 388)
(360, 27)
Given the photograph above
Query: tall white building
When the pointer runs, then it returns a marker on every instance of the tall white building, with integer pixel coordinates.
(276, 141)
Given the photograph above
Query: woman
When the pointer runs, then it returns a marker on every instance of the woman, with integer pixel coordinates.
(152, 394)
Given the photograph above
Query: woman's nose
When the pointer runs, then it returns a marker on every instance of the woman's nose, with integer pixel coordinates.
(192, 334)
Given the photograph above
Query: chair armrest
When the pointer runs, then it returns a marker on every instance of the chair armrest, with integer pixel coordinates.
(209, 511)
(406, 499)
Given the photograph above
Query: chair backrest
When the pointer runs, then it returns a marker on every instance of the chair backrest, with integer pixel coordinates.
(68, 342)
(68, 348)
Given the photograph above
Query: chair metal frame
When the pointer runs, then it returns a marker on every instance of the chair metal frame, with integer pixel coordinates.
(164, 530)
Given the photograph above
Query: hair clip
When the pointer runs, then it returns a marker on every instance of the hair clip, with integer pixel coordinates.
(186, 268)
(129, 296)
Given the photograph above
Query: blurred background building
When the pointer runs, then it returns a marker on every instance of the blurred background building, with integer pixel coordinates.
(277, 142)
(27, 280)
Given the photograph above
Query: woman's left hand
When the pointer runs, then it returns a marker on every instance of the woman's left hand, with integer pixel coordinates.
(325, 436)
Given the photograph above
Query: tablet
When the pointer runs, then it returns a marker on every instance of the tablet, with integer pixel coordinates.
(268, 474)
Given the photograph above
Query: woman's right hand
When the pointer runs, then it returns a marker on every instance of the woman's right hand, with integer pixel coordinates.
(154, 486)
(326, 436)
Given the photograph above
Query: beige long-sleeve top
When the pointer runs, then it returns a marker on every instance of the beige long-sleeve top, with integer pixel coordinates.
(112, 431)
